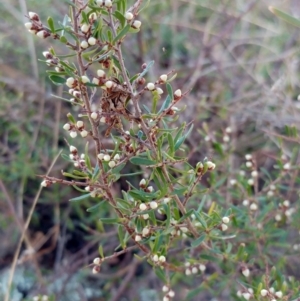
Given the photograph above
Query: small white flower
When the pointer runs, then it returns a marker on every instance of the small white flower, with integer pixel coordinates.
(73, 149)
(224, 227)
(232, 182)
(101, 156)
(226, 138)
(93, 16)
(249, 164)
(272, 187)
(150, 188)
(253, 207)
(245, 203)
(143, 207)
(272, 290)
(85, 28)
(286, 166)
(246, 272)
(145, 216)
(84, 44)
(128, 16)
(242, 173)
(159, 91)
(94, 115)
(228, 130)
(250, 182)
(162, 258)
(167, 200)
(165, 289)
(73, 134)
(239, 293)
(67, 126)
(108, 3)
(178, 93)
(72, 157)
(247, 296)
(248, 157)
(32, 15)
(85, 79)
(95, 81)
(250, 290)
(109, 84)
(163, 77)
(155, 258)
(44, 183)
(194, 270)
(184, 229)
(279, 294)
(225, 220)
(202, 267)
(111, 164)
(150, 86)
(166, 298)
(87, 188)
(145, 231)
(45, 298)
(70, 81)
(171, 294)
(116, 157)
(286, 203)
(264, 292)
(100, 73)
(278, 217)
(92, 41)
(28, 25)
(254, 174)
(188, 272)
(138, 238)
(270, 193)
(187, 264)
(136, 24)
(207, 138)
(210, 165)
(142, 183)
(36, 298)
(97, 260)
(153, 205)
(103, 119)
(79, 124)
(106, 158)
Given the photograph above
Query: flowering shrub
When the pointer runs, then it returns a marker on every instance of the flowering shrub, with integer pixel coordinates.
(178, 217)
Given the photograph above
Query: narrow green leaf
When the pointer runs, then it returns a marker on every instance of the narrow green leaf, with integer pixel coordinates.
(95, 207)
(141, 161)
(111, 220)
(182, 139)
(171, 145)
(165, 104)
(80, 198)
(51, 24)
(63, 39)
(121, 34)
(170, 90)
(57, 80)
(200, 219)
(100, 250)
(198, 241)
(284, 16)
(149, 65)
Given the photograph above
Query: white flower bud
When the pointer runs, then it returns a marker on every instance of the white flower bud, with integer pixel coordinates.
(224, 227)
(85, 28)
(286, 203)
(45, 298)
(79, 124)
(73, 134)
(188, 272)
(155, 258)
(247, 296)
(250, 182)
(166, 298)
(111, 164)
(278, 217)
(94, 115)
(101, 156)
(253, 207)
(248, 157)
(228, 130)
(264, 292)
(150, 86)
(279, 294)
(153, 205)
(246, 272)
(178, 93)
(145, 216)
(87, 188)
(92, 41)
(272, 290)
(286, 166)
(211, 165)
(95, 81)
(28, 25)
(232, 182)
(100, 73)
(163, 77)
(85, 79)
(249, 164)
(128, 16)
(194, 270)
(97, 260)
(245, 203)
(167, 200)
(162, 258)
(103, 119)
(225, 220)
(106, 158)
(108, 3)
(142, 183)
(116, 157)
(202, 267)
(143, 207)
(84, 133)
(93, 16)
(165, 289)
(67, 127)
(138, 238)
(145, 231)
(136, 24)
(254, 174)
(150, 189)
(44, 183)
(33, 15)
(70, 82)
(171, 294)
(226, 138)
(84, 44)
(109, 84)
(42, 34)
(159, 91)
(36, 298)
(73, 149)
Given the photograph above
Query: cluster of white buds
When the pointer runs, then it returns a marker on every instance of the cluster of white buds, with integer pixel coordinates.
(158, 259)
(271, 293)
(246, 294)
(194, 268)
(100, 77)
(97, 265)
(35, 26)
(226, 136)
(272, 188)
(169, 293)
(143, 184)
(225, 221)
(112, 162)
(249, 162)
(105, 3)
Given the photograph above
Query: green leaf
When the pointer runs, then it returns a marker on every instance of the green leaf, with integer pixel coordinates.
(109, 36)
(170, 90)
(149, 65)
(121, 236)
(51, 24)
(141, 161)
(63, 39)
(181, 139)
(198, 241)
(116, 170)
(95, 207)
(284, 16)
(171, 145)
(160, 274)
(165, 104)
(87, 158)
(84, 17)
(111, 220)
(57, 80)
(200, 219)
(100, 250)
(121, 34)
(80, 198)
(66, 157)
